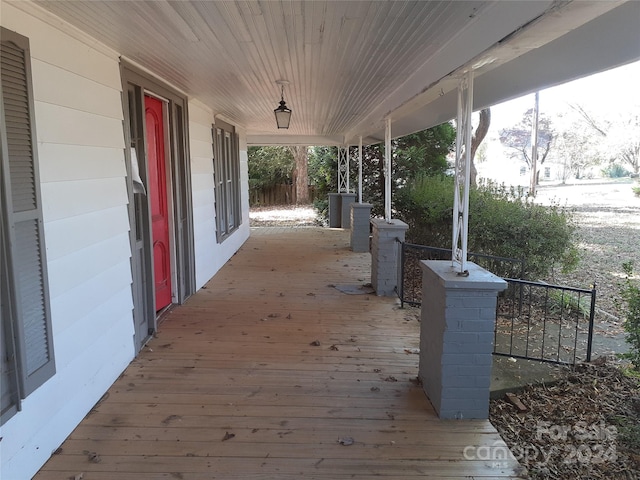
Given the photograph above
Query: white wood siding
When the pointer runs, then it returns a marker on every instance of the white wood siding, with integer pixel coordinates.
(79, 127)
(79, 130)
(210, 255)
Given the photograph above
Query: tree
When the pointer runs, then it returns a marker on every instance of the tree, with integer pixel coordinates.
(518, 139)
(269, 166)
(299, 174)
(419, 154)
(575, 151)
(624, 138)
(422, 153)
(481, 132)
(620, 138)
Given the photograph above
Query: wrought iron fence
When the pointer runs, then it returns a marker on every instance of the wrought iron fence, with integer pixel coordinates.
(534, 320)
(410, 274)
(548, 323)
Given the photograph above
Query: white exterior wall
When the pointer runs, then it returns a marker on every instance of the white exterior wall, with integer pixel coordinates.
(78, 122)
(79, 127)
(211, 255)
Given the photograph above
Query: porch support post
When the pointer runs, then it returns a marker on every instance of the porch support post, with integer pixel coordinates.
(335, 199)
(385, 254)
(463, 173)
(360, 170)
(360, 220)
(456, 338)
(360, 214)
(335, 210)
(387, 170)
(343, 170)
(347, 200)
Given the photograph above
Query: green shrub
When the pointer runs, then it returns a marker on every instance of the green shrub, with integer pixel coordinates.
(502, 222)
(615, 170)
(630, 293)
(321, 206)
(636, 191)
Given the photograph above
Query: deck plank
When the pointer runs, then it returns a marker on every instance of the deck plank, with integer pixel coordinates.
(238, 358)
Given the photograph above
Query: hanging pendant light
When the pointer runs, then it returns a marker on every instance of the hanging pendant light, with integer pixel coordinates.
(283, 114)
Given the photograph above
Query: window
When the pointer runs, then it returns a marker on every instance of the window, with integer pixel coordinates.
(226, 175)
(26, 348)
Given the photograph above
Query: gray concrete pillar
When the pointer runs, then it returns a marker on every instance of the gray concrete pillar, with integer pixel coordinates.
(456, 337)
(360, 221)
(347, 200)
(335, 210)
(385, 254)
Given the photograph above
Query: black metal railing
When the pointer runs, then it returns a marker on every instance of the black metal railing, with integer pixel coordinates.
(534, 320)
(548, 323)
(410, 274)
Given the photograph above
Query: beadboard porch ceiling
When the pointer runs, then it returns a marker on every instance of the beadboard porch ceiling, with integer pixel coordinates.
(351, 64)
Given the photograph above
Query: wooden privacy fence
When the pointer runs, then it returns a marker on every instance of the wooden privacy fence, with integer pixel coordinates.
(278, 195)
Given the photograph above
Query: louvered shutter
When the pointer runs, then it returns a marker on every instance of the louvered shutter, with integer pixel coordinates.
(26, 239)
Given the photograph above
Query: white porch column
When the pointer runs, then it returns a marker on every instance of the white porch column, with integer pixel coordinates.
(360, 214)
(463, 173)
(336, 207)
(458, 303)
(360, 170)
(387, 235)
(387, 170)
(534, 146)
(343, 170)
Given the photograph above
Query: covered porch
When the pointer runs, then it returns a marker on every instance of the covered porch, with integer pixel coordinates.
(271, 372)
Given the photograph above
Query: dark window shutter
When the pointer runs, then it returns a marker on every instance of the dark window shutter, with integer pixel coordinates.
(226, 174)
(26, 239)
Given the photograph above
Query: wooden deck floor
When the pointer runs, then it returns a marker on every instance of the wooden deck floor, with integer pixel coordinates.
(232, 387)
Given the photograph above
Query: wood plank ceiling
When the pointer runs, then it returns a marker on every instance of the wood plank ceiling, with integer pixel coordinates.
(344, 60)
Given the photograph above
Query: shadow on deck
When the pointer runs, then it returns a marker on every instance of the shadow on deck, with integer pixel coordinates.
(233, 386)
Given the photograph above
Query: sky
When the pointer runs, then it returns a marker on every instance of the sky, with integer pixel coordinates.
(608, 95)
(603, 94)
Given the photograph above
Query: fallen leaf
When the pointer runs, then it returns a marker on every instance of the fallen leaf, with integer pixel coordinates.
(375, 389)
(315, 343)
(170, 418)
(391, 379)
(333, 347)
(414, 351)
(346, 441)
(228, 436)
(289, 317)
(94, 457)
(79, 476)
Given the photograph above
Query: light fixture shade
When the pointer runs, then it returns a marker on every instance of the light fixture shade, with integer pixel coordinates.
(283, 115)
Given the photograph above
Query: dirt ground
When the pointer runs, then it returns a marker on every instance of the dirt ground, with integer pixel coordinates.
(283, 216)
(608, 233)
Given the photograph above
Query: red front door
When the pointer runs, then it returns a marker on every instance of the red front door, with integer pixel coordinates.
(158, 198)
